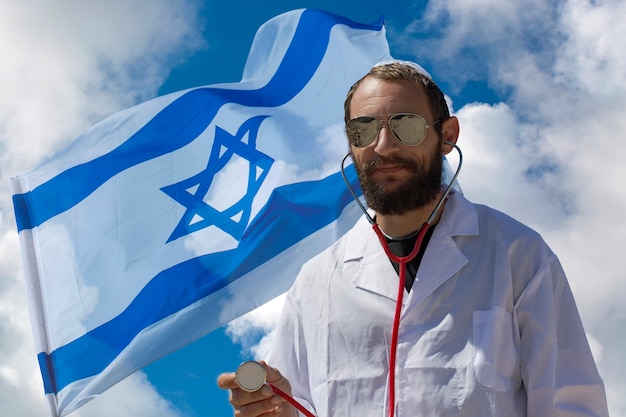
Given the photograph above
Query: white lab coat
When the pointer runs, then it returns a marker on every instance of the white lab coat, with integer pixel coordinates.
(490, 327)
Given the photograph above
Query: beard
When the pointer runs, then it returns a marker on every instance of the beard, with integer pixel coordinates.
(420, 189)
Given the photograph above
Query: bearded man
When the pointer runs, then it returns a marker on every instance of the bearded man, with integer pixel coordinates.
(487, 326)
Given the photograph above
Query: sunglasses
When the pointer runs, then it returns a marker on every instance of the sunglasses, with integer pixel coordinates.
(409, 129)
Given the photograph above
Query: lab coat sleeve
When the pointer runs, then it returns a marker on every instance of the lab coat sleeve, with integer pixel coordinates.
(557, 366)
(289, 353)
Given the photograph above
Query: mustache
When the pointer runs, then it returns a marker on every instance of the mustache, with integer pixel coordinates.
(378, 161)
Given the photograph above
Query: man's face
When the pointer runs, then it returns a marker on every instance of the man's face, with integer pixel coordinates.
(396, 178)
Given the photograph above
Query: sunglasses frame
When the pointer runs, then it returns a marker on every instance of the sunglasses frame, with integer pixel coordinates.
(388, 120)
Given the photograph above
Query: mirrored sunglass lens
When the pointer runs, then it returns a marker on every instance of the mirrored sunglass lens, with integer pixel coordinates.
(362, 131)
(409, 128)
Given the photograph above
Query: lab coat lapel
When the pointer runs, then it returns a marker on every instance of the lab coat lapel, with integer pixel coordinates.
(366, 263)
(443, 258)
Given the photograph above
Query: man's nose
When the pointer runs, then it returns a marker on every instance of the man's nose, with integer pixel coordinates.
(386, 142)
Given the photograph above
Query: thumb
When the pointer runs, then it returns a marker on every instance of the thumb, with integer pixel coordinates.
(273, 375)
(281, 386)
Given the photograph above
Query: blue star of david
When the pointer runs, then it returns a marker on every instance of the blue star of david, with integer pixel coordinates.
(192, 191)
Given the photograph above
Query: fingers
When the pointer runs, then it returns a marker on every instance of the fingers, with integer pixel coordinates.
(240, 397)
(255, 403)
(250, 404)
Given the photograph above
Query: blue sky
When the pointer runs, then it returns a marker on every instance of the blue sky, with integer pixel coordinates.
(538, 87)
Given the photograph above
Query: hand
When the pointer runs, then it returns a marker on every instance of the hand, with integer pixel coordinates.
(263, 402)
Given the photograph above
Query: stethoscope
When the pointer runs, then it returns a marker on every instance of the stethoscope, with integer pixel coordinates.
(251, 376)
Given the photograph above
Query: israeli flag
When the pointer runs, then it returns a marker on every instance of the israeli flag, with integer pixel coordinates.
(170, 219)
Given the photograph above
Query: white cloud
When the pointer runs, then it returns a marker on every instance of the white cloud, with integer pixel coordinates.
(551, 155)
(66, 65)
(254, 331)
(134, 396)
(496, 164)
(594, 58)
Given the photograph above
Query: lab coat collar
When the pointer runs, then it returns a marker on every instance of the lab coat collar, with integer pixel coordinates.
(375, 273)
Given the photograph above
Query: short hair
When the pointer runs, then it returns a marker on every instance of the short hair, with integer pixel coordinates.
(396, 71)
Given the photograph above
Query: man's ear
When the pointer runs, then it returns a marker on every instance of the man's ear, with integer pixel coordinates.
(450, 131)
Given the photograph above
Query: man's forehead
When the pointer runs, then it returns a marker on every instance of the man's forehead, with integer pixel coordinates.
(372, 83)
(375, 95)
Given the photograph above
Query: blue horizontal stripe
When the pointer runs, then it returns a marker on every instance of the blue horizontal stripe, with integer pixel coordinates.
(292, 213)
(182, 121)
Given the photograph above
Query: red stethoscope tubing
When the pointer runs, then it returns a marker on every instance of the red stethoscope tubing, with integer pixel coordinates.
(402, 261)
(291, 401)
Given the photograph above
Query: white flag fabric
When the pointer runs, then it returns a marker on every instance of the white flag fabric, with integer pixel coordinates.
(167, 220)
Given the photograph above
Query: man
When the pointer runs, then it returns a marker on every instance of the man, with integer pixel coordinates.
(488, 325)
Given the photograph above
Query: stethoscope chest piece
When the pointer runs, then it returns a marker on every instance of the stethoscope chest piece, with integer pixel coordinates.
(250, 376)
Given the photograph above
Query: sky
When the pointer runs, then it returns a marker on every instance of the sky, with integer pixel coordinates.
(539, 88)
